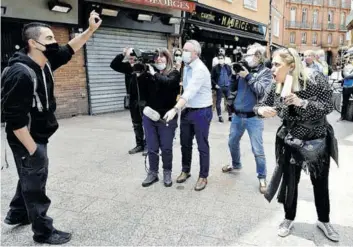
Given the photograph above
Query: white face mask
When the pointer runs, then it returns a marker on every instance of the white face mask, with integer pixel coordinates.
(221, 61)
(160, 66)
(250, 61)
(178, 59)
(186, 56)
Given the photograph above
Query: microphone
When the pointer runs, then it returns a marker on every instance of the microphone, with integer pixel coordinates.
(153, 115)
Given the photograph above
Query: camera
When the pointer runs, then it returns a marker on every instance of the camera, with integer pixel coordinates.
(238, 66)
(143, 58)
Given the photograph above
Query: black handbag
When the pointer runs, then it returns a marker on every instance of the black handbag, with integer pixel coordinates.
(127, 101)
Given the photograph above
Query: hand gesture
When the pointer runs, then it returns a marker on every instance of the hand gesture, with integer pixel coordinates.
(93, 25)
(151, 69)
(292, 99)
(170, 115)
(267, 111)
(243, 73)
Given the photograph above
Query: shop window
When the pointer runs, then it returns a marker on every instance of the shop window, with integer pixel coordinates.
(250, 4)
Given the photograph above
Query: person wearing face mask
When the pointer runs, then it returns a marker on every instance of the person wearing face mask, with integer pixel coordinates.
(227, 60)
(221, 76)
(123, 63)
(30, 121)
(310, 61)
(250, 87)
(161, 87)
(321, 60)
(304, 141)
(197, 115)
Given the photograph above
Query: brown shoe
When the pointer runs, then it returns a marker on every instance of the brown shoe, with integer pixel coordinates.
(262, 185)
(201, 184)
(182, 177)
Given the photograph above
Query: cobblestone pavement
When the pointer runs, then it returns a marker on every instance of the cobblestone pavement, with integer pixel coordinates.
(96, 193)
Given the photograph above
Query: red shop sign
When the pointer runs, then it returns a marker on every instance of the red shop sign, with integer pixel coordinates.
(174, 4)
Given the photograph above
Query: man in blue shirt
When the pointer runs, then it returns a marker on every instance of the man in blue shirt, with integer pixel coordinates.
(197, 115)
(250, 87)
(221, 76)
(347, 74)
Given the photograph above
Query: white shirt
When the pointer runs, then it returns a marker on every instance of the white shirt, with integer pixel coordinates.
(226, 61)
(197, 85)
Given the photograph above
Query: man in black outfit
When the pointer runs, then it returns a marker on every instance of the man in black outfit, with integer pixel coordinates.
(28, 111)
(123, 63)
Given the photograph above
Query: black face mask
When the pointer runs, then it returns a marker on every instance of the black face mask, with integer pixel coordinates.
(50, 49)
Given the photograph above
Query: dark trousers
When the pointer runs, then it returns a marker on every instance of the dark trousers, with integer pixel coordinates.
(221, 92)
(195, 122)
(136, 117)
(30, 199)
(160, 136)
(346, 94)
(321, 194)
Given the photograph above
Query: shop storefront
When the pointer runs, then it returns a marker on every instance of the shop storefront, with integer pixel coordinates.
(129, 23)
(214, 28)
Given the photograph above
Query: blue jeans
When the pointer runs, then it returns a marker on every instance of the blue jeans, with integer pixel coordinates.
(159, 136)
(223, 91)
(255, 128)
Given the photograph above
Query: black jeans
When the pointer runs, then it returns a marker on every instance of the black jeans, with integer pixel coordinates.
(30, 199)
(346, 94)
(321, 194)
(222, 92)
(136, 117)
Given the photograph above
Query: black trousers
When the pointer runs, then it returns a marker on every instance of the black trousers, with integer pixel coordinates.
(136, 117)
(30, 199)
(321, 194)
(346, 94)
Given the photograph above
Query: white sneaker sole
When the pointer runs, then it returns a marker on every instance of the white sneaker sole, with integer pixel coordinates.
(323, 229)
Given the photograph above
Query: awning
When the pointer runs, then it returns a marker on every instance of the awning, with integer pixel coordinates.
(226, 32)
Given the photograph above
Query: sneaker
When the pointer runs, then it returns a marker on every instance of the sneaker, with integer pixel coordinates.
(229, 168)
(262, 185)
(57, 237)
(17, 221)
(167, 178)
(151, 178)
(220, 119)
(285, 228)
(329, 231)
(136, 150)
(230, 119)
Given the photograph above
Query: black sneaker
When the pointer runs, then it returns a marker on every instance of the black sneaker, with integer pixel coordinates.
(17, 221)
(137, 149)
(220, 119)
(230, 119)
(57, 237)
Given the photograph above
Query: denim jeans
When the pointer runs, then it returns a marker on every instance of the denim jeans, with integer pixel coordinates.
(255, 127)
(160, 136)
(223, 91)
(195, 122)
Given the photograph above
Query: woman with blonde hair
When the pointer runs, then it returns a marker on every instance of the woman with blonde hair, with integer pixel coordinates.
(160, 90)
(304, 141)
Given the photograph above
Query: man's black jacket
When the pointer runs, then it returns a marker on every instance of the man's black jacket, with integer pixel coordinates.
(18, 87)
(216, 72)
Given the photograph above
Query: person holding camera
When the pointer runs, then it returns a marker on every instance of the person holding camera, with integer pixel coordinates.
(160, 93)
(28, 107)
(304, 141)
(123, 63)
(220, 76)
(250, 86)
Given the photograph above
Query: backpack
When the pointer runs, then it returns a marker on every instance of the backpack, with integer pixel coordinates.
(36, 100)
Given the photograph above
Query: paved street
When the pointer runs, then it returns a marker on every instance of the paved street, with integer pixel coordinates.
(96, 193)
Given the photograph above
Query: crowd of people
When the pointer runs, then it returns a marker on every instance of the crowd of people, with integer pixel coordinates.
(178, 89)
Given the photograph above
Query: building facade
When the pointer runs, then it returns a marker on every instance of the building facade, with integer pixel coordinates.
(278, 23)
(317, 24)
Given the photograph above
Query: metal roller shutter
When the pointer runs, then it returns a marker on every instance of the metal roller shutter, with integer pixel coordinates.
(107, 87)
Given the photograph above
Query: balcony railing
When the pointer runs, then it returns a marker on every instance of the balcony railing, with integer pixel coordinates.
(331, 26)
(307, 1)
(294, 1)
(318, 2)
(346, 4)
(343, 27)
(293, 24)
(332, 3)
(305, 25)
(316, 26)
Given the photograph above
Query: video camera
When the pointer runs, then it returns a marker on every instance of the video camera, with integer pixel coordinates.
(143, 58)
(238, 66)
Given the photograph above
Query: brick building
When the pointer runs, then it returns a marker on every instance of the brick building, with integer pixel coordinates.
(317, 24)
